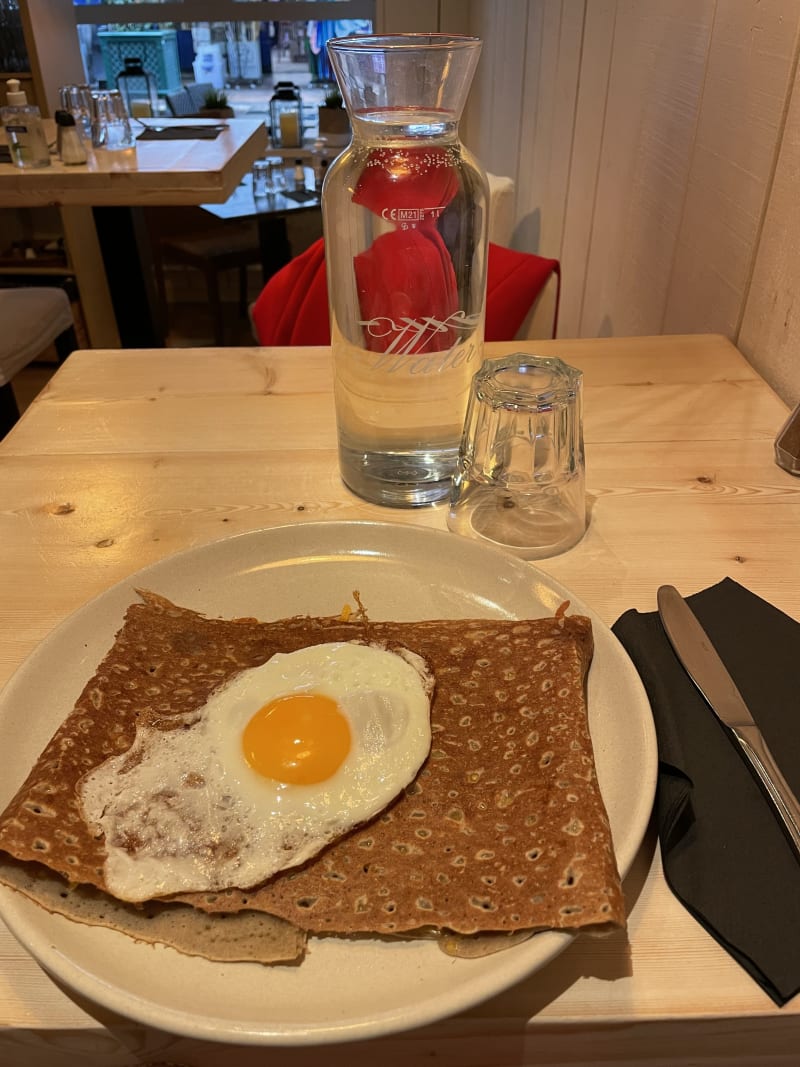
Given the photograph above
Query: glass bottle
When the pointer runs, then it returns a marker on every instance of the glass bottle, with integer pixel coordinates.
(405, 223)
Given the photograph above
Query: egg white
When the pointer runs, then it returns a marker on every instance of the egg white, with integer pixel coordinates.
(183, 810)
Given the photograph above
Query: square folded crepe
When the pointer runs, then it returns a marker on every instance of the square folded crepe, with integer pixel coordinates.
(502, 831)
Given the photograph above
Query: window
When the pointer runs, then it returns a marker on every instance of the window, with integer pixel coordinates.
(234, 44)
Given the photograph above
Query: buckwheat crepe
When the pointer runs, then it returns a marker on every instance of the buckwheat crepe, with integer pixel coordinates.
(503, 829)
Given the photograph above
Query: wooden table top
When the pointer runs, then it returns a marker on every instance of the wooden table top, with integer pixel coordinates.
(187, 171)
(129, 456)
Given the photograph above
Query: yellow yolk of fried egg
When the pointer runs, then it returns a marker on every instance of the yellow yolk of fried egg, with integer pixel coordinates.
(278, 762)
(301, 738)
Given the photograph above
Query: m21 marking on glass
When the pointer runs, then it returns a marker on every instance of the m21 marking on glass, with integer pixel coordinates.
(407, 215)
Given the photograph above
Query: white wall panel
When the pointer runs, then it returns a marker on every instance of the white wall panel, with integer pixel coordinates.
(493, 121)
(770, 333)
(656, 80)
(739, 127)
(551, 78)
(655, 153)
(410, 16)
(586, 145)
(548, 139)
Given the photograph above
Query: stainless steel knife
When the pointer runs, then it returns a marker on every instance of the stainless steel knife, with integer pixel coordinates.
(694, 649)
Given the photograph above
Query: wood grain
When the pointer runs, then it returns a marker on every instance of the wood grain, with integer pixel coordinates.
(130, 456)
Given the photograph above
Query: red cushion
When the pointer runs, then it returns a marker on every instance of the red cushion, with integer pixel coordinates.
(292, 308)
(514, 280)
(406, 277)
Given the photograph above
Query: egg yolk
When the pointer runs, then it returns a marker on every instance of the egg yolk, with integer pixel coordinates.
(300, 739)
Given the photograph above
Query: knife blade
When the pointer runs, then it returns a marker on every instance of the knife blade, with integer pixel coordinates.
(702, 663)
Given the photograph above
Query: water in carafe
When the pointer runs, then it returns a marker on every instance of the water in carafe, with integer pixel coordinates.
(404, 212)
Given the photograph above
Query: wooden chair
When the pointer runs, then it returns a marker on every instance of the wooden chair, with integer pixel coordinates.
(229, 247)
(32, 319)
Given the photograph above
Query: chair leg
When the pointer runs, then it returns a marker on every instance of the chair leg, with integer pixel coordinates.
(66, 343)
(9, 411)
(212, 282)
(242, 290)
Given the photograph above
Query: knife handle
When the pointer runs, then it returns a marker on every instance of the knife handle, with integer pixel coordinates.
(755, 748)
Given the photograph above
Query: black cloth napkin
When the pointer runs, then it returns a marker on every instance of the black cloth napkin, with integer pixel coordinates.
(180, 133)
(725, 855)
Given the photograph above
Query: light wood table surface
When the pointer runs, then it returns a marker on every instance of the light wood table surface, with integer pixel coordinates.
(154, 173)
(129, 456)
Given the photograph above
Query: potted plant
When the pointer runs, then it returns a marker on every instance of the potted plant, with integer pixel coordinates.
(215, 105)
(334, 122)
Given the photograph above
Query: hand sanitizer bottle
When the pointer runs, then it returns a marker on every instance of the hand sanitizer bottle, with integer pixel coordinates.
(23, 123)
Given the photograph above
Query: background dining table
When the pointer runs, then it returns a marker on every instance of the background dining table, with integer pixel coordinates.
(270, 214)
(129, 456)
(101, 205)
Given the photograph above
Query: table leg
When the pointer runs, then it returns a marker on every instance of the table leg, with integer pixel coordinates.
(86, 260)
(128, 261)
(273, 240)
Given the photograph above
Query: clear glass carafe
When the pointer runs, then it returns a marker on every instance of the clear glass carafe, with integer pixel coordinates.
(405, 222)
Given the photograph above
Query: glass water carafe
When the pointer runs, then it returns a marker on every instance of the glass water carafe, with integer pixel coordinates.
(405, 223)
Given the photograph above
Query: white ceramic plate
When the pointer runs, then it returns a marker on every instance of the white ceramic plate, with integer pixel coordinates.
(342, 990)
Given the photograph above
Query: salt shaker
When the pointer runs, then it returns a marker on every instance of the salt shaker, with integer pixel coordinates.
(299, 175)
(71, 150)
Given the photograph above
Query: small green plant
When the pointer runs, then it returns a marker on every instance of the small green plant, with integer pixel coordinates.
(215, 99)
(333, 98)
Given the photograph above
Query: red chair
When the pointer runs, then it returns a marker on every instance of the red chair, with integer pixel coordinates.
(292, 308)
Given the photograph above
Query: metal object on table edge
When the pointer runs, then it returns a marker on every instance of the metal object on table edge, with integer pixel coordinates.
(787, 443)
(702, 663)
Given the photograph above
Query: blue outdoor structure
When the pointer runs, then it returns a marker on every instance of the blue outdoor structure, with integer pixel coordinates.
(157, 49)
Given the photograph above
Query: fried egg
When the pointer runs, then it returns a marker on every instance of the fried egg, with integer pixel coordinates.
(278, 762)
